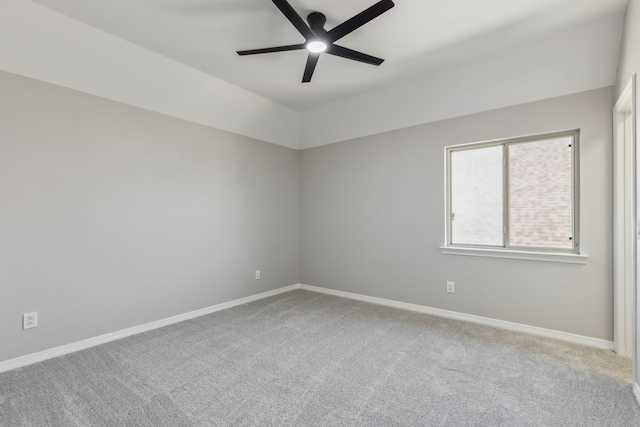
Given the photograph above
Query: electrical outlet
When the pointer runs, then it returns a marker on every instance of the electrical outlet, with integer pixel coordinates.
(30, 320)
(450, 287)
(257, 274)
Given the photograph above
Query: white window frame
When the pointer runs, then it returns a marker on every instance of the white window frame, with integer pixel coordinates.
(507, 250)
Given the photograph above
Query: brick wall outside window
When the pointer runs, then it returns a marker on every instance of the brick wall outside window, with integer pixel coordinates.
(540, 194)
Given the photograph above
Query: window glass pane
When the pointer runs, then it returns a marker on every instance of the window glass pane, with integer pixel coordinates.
(476, 196)
(540, 196)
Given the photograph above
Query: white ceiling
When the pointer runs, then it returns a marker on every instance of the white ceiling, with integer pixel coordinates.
(416, 38)
(444, 59)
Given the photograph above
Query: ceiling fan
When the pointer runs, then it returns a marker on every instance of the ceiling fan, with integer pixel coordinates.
(318, 40)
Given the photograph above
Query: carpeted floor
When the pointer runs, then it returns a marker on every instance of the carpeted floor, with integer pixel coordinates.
(308, 359)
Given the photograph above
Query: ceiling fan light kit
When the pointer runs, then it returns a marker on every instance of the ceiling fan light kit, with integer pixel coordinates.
(316, 46)
(318, 40)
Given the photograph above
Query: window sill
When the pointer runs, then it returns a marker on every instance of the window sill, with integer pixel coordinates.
(502, 253)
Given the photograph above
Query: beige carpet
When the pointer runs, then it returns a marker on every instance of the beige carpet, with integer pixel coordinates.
(307, 359)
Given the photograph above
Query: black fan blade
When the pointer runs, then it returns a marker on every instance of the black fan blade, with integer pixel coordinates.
(353, 54)
(272, 49)
(312, 61)
(359, 20)
(294, 18)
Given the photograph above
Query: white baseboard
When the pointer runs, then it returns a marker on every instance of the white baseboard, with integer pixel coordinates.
(636, 391)
(29, 359)
(517, 327)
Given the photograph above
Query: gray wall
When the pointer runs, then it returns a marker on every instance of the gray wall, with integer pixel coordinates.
(629, 59)
(372, 219)
(112, 216)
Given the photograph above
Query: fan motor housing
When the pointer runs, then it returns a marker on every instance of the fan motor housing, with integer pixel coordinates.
(316, 22)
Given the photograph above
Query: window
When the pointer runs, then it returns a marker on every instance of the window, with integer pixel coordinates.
(518, 194)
